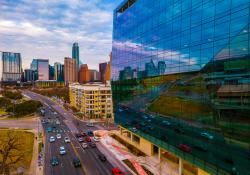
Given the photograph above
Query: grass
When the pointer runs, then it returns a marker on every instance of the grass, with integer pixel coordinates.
(27, 141)
(180, 107)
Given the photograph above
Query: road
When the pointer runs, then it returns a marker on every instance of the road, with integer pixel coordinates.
(91, 165)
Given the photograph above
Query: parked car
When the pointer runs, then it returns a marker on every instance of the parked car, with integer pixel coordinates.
(207, 135)
(58, 136)
(66, 140)
(102, 157)
(76, 162)
(185, 148)
(54, 161)
(52, 139)
(84, 145)
(87, 139)
(62, 150)
(117, 171)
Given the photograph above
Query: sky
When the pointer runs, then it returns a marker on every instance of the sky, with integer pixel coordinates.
(46, 29)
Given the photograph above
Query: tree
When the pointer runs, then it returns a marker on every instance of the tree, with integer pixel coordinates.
(14, 95)
(5, 102)
(11, 152)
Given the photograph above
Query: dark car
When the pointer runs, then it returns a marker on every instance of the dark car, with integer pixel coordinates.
(201, 148)
(84, 134)
(178, 130)
(54, 161)
(102, 157)
(78, 135)
(90, 133)
(76, 162)
(185, 148)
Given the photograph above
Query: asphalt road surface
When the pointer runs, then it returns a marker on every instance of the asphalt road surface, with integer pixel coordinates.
(91, 164)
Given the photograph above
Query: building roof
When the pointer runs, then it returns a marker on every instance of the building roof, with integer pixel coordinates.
(90, 87)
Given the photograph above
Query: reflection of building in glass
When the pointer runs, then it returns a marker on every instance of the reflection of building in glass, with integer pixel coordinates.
(12, 66)
(102, 68)
(189, 62)
(51, 72)
(75, 53)
(59, 72)
(83, 73)
(94, 100)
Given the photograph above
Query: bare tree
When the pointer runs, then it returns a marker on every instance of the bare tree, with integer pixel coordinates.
(11, 152)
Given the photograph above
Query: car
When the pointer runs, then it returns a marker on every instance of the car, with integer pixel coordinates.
(92, 145)
(66, 140)
(62, 150)
(80, 139)
(52, 139)
(84, 145)
(96, 139)
(58, 122)
(54, 126)
(178, 130)
(78, 135)
(87, 139)
(185, 148)
(58, 136)
(133, 129)
(49, 129)
(207, 135)
(166, 123)
(120, 110)
(76, 162)
(54, 161)
(54, 113)
(102, 157)
(90, 133)
(117, 171)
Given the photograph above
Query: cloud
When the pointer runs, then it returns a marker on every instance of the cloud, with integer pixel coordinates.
(47, 28)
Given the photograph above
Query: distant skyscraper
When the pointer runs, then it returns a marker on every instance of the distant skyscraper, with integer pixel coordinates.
(51, 72)
(59, 72)
(84, 74)
(40, 68)
(102, 68)
(94, 75)
(75, 53)
(11, 66)
(70, 70)
(28, 75)
(107, 72)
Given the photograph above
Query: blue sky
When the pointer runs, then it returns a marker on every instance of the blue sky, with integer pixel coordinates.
(47, 29)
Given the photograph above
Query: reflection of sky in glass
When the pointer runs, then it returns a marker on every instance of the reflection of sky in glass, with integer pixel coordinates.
(185, 39)
(43, 70)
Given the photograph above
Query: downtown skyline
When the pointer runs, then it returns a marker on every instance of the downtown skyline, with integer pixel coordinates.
(47, 30)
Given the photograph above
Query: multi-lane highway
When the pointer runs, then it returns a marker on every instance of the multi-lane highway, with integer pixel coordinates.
(91, 164)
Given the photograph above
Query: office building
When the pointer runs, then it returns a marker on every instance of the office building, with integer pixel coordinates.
(107, 72)
(94, 75)
(59, 72)
(28, 75)
(187, 62)
(83, 74)
(93, 100)
(102, 68)
(49, 84)
(70, 70)
(51, 72)
(11, 66)
(40, 68)
(75, 53)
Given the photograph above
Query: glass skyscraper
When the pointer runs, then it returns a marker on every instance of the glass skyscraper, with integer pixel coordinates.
(11, 66)
(40, 68)
(59, 72)
(75, 53)
(181, 76)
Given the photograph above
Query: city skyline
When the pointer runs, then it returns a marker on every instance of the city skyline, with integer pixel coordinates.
(54, 26)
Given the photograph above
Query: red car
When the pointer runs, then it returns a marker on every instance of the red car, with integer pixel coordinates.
(185, 148)
(88, 139)
(117, 171)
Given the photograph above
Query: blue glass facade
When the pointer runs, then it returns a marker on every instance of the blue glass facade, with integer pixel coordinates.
(186, 61)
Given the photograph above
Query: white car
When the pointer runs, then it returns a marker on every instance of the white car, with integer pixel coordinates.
(52, 139)
(207, 135)
(58, 122)
(96, 139)
(54, 113)
(84, 145)
(58, 136)
(90, 124)
(66, 140)
(62, 150)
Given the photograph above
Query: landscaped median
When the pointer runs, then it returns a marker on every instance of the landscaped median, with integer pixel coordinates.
(16, 149)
